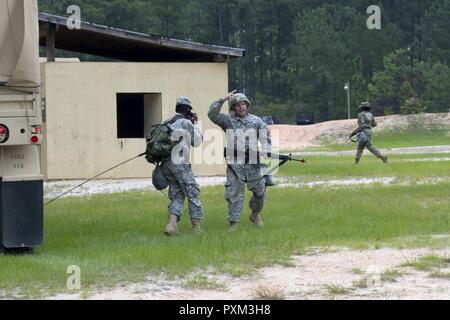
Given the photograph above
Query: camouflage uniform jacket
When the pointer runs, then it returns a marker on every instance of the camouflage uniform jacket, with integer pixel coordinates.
(191, 136)
(366, 120)
(231, 121)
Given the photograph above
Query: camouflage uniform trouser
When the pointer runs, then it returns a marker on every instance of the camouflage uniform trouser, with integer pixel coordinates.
(182, 184)
(235, 189)
(365, 137)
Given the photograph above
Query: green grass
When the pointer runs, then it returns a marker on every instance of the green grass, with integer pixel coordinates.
(269, 293)
(335, 289)
(389, 139)
(400, 166)
(440, 275)
(203, 282)
(361, 283)
(416, 241)
(116, 238)
(358, 271)
(391, 275)
(429, 263)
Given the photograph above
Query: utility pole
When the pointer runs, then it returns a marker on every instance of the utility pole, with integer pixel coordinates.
(347, 88)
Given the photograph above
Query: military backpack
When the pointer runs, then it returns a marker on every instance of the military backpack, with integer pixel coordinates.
(159, 142)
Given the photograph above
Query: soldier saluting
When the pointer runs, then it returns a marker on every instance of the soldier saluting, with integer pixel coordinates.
(244, 167)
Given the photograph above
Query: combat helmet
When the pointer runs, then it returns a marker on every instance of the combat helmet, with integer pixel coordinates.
(184, 101)
(238, 97)
(158, 179)
(365, 106)
(184, 106)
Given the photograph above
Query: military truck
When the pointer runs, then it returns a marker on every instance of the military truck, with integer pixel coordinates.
(21, 179)
(304, 118)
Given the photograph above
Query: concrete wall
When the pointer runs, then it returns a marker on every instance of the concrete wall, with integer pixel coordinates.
(81, 126)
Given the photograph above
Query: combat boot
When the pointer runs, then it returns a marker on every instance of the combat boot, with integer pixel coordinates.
(172, 226)
(256, 219)
(233, 226)
(196, 226)
(385, 159)
(356, 160)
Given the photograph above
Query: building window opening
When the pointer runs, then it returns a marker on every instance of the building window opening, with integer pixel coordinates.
(136, 113)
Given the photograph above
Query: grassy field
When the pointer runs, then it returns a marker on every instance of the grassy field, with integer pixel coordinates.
(118, 238)
(411, 166)
(388, 139)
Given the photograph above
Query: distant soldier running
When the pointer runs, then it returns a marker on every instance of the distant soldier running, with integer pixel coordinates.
(366, 122)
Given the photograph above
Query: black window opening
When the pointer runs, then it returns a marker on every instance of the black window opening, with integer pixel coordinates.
(130, 115)
(136, 113)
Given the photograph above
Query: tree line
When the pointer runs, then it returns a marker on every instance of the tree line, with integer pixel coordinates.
(299, 54)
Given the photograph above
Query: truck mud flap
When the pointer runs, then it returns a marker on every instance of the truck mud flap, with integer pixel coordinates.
(21, 214)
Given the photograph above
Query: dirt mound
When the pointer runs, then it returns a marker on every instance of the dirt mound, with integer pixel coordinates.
(337, 131)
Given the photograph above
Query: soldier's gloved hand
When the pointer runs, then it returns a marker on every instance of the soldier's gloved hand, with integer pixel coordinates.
(266, 155)
(194, 118)
(229, 95)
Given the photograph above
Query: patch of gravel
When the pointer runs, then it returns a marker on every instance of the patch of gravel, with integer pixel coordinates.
(426, 160)
(53, 189)
(301, 182)
(340, 182)
(358, 274)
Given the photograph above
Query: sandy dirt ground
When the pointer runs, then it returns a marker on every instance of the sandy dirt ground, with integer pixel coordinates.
(319, 274)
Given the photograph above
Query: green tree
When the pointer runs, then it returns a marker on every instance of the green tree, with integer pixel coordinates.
(318, 59)
(358, 85)
(436, 32)
(437, 93)
(392, 86)
(403, 86)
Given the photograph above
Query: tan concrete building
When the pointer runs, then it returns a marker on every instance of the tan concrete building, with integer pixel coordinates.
(96, 114)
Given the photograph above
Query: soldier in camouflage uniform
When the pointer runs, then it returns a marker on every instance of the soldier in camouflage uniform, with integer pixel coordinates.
(242, 171)
(366, 122)
(178, 171)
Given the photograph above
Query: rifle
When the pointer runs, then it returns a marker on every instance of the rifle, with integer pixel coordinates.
(354, 133)
(282, 157)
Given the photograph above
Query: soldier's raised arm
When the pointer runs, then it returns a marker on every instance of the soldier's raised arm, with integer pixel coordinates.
(221, 119)
(196, 135)
(191, 130)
